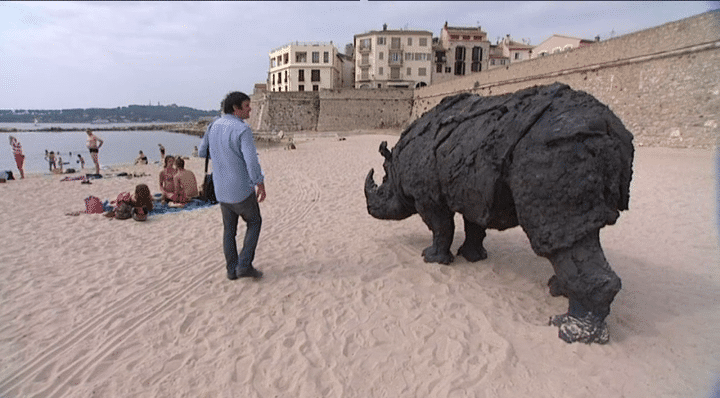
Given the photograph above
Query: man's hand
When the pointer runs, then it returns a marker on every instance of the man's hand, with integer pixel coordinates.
(260, 192)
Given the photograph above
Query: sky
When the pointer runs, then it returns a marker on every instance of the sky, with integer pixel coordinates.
(63, 55)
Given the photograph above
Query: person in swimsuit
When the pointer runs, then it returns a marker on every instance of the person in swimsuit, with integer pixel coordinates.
(19, 157)
(93, 144)
(167, 186)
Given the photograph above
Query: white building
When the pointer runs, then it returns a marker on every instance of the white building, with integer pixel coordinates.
(305, 67)
(559, 43)
(393, 58)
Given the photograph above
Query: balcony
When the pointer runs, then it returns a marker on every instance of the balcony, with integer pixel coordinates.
(364, 49)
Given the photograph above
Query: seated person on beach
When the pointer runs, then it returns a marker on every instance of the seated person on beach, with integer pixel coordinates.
(142, 200)
(141, 159)
(167, 185)
(186, 186)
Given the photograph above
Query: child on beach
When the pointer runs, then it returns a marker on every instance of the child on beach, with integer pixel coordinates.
(18, 153)
(167, 185)
(81, 161)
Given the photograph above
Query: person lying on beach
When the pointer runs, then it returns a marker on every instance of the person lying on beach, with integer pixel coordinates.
(186, 187)
(167, 184)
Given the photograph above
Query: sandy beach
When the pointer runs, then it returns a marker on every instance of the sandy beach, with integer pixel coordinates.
(94, 307)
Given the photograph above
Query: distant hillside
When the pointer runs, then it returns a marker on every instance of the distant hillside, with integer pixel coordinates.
(126, 114)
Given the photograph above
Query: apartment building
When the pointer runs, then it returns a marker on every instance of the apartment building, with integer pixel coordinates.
(559, 43)
(509, 51)
(308, 66)
(393, 58)
(460, 51)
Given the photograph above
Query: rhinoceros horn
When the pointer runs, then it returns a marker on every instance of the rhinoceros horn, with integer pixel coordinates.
(383, 203)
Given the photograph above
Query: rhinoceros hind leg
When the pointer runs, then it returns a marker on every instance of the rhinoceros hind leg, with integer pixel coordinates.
(472, 249)
(584, 330)
(584, 276)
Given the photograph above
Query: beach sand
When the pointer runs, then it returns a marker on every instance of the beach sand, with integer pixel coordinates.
(94, 307)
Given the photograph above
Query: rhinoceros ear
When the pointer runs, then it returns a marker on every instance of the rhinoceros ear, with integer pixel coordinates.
(384, 151)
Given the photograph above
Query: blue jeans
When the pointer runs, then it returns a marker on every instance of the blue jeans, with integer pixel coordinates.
(249, 210)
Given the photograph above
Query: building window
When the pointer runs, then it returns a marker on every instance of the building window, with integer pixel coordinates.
(380, 71)
(285, 81)
(459, 68)
(279, 60)
(395, 43)
(279, 77)
(459, 53)
(476, 59)
(422, 72)
(273, 79)
(409, 41)
(316, 87)
(301, 88)
(454, 37)
(517, 56)
(301, 75)
(301, 57)
(380, 55)
(381, 40)
(448, 69)
(365, 59)
(379, 85)
(492, 62)
(466, 37)
(285, 59)
(315, 75)
(364, 75)
(365, 44)
(316, 57)
(395, 57)
(326, 57)
(272, 62)
(408, 56)
(422, 42)
(439, 68)
(409, 71)
(395, 73)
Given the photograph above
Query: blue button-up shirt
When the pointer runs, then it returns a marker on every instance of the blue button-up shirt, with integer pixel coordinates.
(235, 164)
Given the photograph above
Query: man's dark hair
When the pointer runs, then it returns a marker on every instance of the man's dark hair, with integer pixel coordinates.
(234, 98)
(179, 162)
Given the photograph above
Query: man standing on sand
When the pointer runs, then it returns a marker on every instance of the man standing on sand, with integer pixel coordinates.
(239, 182)
(185, 183)
(93, 145)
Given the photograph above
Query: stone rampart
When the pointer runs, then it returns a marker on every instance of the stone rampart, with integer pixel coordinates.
(663, 82)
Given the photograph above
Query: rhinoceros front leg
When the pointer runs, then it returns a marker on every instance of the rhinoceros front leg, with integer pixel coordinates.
(472, 249)
(583, 275)
(441, 223)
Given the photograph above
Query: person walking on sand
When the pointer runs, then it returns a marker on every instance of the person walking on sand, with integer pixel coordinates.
(81, 161)
(239, 182)
(18, 153)
(93, 145)
(162, 152)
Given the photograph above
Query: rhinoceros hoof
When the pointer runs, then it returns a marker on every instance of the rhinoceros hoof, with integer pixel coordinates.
(472, 254)
(584, 330)
(431, 255)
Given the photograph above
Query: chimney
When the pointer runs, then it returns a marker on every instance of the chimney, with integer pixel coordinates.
(384, 26)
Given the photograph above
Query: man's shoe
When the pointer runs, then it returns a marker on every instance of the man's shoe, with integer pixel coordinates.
(231, 275)
(250, 272)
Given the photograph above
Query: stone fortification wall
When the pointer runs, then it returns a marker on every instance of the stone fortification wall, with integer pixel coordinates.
(286, 111)
(350, 109)
(330, 110)
(664, 82)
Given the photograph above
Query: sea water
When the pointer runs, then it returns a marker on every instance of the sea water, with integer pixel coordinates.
(119, 147)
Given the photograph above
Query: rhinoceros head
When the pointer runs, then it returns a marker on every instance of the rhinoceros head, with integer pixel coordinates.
(386, 202)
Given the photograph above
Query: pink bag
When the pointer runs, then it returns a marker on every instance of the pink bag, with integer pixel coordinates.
(93, 205)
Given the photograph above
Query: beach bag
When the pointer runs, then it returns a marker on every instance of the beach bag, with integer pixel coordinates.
(93, 205)
(123, 211)
(208, 189)
(208, 186)
(7, 175)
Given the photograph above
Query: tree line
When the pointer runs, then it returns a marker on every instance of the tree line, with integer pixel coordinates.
(125, 114)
